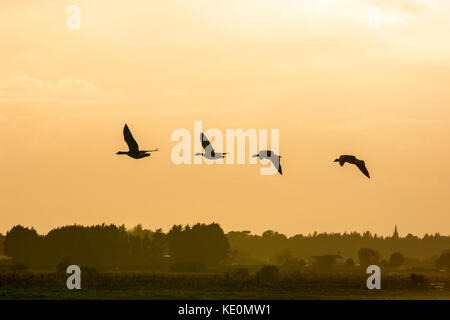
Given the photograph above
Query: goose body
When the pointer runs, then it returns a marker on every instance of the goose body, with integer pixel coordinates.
(209, 151)
(353, 160)
(268, 154)
(133, 147)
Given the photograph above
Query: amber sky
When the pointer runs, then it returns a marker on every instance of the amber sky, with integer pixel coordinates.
(312, 69)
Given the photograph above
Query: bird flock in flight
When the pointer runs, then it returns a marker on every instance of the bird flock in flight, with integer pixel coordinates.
(209, 153)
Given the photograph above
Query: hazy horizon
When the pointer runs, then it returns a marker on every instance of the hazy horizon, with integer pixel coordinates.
(315, 71)
(165, 230)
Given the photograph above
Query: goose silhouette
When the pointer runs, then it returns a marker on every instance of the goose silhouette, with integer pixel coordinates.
(133, 147)
(353, 160)
(209, 151)
(268, 154)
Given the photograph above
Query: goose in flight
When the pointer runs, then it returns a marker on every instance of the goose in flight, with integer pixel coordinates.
(133, 147)
(209, 151)
(353, 160)
(268, 154)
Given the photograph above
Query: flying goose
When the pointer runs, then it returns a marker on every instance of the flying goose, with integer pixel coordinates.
(353, 160)
(133, 147)
(268, 154)
(209, 151)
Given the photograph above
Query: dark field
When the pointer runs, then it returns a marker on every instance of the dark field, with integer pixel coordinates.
(145, 285)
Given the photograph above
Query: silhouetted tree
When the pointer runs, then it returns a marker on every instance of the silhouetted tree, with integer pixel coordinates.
(155, 247)
(264, 247)
(2, 240)
(110, 245)
(444, 260)
(140, 232)
(206, 244)
(384, 263)
(368, 257)
(396, 260)
(101, 245)
(284, 257)
(22, 244)
(325, 262)
(268, 273)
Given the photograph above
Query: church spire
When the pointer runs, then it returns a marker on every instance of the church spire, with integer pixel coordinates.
(395, 235)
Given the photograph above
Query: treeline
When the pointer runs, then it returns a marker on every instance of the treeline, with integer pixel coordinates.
(200, 246)
(270, 244)
(2, 240)
(111, 246)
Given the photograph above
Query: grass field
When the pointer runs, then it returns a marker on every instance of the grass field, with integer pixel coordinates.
(146, 285)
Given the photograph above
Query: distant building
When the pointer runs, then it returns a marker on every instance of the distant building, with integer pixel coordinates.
(330, 259)
(395, 235)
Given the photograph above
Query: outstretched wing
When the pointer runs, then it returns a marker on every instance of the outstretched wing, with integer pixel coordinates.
(205, 141)
(362, 166)
(132, 144)
(276, 162)
(206, 145)
(279, 167)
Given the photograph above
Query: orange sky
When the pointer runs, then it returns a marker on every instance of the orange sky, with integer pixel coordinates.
(314, 70)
